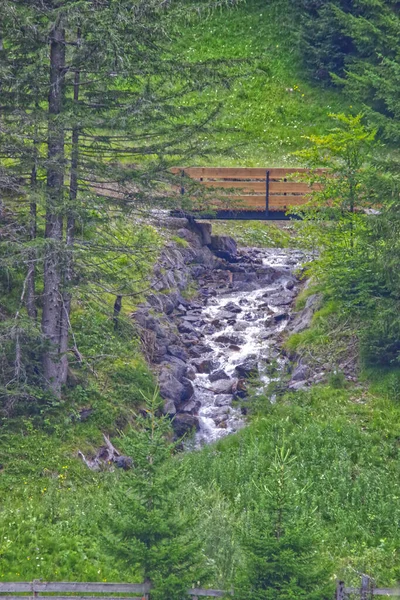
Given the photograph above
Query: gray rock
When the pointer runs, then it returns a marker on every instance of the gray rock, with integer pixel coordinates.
(188, 389)
(298, 385)
(223, 400)
(204, 365)
(184, 423)
(303, 318)
(224, 246)
(223, 386)
(169, 407)
(204, 231)
(232, 307)
(190, 373)
(283, 299)
(248, 368)
(176, 366)
(178, 352)
(191, 407)
(217, 375)
(124, 462)
(300, 373)
(230, 338)
(186, 327)
(170, 387)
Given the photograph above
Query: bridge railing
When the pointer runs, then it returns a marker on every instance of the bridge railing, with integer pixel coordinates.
(251, 189)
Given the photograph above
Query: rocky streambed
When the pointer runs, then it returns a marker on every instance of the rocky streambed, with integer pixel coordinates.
(210, 348)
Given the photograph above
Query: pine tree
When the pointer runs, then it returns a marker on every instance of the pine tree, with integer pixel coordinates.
(282, 558)
(148, 528)
(95, 107)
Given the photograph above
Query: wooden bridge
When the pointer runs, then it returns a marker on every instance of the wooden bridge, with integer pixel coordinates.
(248, 193)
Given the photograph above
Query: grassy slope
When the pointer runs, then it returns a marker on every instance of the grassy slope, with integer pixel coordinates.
(272, 104)
(345, 442)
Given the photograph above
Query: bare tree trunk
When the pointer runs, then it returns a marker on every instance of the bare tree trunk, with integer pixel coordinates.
(31, 277)
(52, 297)
(73, 194)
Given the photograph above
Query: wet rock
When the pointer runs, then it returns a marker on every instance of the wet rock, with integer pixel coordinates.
(190, 373)
(224, 247)
(232, 307)
(232, 338)
(204, 349)
(280, 299)
(170, 387)
(191, 407)
(178, 352)
(188, 389)
(223, 386)
(241, 325)
(248, 368)
(217, 375)
(184, 423)
(223, 400)
(280, 316)
(204, 365)
(224, 315)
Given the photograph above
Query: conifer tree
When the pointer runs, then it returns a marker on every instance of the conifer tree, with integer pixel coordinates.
(148, 528)
(95, 106)
(282, 559)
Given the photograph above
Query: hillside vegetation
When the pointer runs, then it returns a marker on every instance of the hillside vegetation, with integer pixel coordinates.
(309, 491)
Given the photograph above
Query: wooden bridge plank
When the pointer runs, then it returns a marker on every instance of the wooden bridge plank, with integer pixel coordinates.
(260, 186)
(239, 172)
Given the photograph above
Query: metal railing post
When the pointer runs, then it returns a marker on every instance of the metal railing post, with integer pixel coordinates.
(182, 188)
(267, 193)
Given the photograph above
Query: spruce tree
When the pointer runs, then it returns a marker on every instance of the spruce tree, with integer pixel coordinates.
(148, 528)
(95, 107)
(282, 554)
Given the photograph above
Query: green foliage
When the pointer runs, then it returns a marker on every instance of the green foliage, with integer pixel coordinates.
(151, 532)
(354, 246)
(325, 45)
(280, 541)
(260, 234)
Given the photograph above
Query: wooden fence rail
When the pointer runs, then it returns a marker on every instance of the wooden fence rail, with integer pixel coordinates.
(85, 591)
(365, 591)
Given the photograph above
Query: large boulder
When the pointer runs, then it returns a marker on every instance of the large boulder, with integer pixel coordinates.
(224, 246)
(184, 423)
(230, 338)
(170, 387)
(188, 389)
(223, 386)
(248, 368)
(204, 365)
(178, 352)
(176, 366)
(218, 375)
